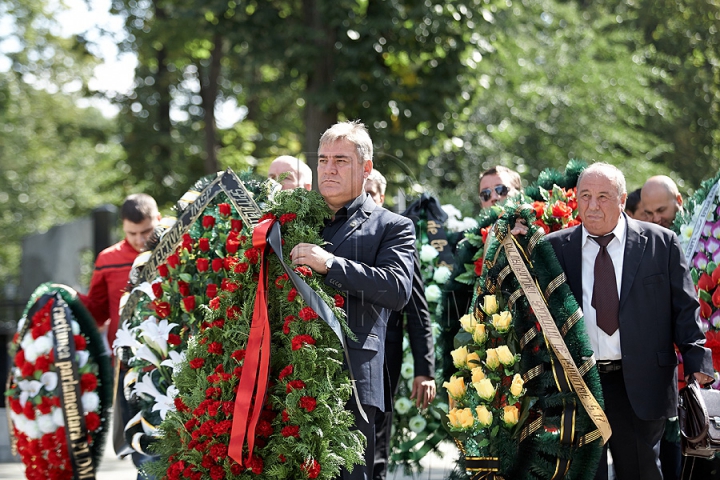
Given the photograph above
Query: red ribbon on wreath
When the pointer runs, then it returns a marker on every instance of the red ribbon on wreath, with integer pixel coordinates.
(256, 369)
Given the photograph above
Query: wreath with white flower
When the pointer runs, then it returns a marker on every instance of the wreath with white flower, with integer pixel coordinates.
(35, 405)
(301, 428)
(416, 432)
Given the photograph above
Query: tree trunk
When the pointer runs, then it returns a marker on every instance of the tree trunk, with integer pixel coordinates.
(319, 82)
(162, 78)
(208, 92)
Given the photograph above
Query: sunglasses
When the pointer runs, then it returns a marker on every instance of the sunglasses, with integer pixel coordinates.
(486, 193)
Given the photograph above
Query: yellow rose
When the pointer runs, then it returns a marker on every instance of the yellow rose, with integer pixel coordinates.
(477, 374)
(484, 415)
(505, 355)
(468, 322)
(517, 385)
(485, 389)
(461, 418)
(491, 359)
(472, 360)
(456, 387)
(501, 321)
(490, 305)
(459, 356)
(479, 333)
(510, 415)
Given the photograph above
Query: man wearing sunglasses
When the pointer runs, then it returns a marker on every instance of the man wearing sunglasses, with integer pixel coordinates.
(496, 184)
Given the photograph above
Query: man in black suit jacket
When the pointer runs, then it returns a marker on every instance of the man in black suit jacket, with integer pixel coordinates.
(657, 307)
(369, 256)
(419, 328)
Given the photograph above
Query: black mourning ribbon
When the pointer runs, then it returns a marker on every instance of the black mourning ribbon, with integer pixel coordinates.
(436, 216)
(315, 302)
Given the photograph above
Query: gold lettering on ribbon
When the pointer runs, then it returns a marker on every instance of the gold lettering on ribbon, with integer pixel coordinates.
(433, 227)
(439, 244)
(555, 339)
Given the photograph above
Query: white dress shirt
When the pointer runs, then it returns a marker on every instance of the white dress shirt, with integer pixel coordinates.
(606, 347)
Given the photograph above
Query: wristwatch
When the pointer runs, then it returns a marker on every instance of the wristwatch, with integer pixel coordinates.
(329, 263)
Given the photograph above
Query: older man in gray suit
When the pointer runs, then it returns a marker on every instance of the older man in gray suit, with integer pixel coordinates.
(369, 256)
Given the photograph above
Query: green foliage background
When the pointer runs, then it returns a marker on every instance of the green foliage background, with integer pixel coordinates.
(447, 88)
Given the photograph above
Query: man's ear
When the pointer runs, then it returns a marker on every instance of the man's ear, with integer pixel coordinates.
(367, 168)
(679, 199)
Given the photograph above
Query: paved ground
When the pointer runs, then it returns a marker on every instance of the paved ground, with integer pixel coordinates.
(112, 468)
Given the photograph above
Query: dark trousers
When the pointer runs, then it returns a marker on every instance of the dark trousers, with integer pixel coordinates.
(635, 443)
(363, 472)
(384, 420)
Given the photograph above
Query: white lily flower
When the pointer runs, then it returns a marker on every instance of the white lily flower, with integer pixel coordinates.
(58, 418)
(165, 403)
(175, 361)
(156, 333)
(49, 380)
(146, 288)
(125, 337)
(147, 386)
(31, 387)
(145, 353)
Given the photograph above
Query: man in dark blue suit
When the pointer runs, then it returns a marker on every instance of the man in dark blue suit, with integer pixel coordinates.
(644, 302)
(369, 256)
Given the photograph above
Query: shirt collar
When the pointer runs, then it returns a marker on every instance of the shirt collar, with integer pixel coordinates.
(619, 231)
(349, 209)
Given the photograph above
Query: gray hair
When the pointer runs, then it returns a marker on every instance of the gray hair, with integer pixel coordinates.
(610, 171)
(379, 179)
(355, 133)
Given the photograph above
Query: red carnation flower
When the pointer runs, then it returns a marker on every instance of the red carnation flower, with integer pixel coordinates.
(208, 221)
(229, 263)
(219, 452)
(183, 288)
(88, 382)
(280, 281)
(267, 216)
(217, 264)
(45, 405)
(224, 209)
(304, 271)
(29, 411)
(307, 314)
(162, 309)
(223, 426)
(235, 225)
(92, 421)
(308, 403)
(238, 355)
(264, 428)
(241, 267)
(163, 270)
(214, 303)
(43, 363)
(197, 363)
(291, 431)
(174, 339)
(233, 312)
(173, 260)
(287, 217)
(256, 464)
(286, 325)
(294, 385)
(252, 254)
(285, 372)
(292, 294)
(228, 286)
(285, 417)
(157, 290)
(339, 301)
(216, 348)
(311, 468)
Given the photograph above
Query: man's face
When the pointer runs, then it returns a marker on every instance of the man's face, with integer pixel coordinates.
(373, 189)
(340, 173)
(599, 203)
(137, 233)
(660, 207)
(491, 190)
(290, 181)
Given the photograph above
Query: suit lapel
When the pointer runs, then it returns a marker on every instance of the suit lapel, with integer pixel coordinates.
(634, 249)
(353, 223)
(572, 253)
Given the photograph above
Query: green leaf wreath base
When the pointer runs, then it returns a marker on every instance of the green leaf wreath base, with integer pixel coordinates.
(532, 450)
(98, 365)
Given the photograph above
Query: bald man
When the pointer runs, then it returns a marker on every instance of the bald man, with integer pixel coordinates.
(296, 173)
(661, 200)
